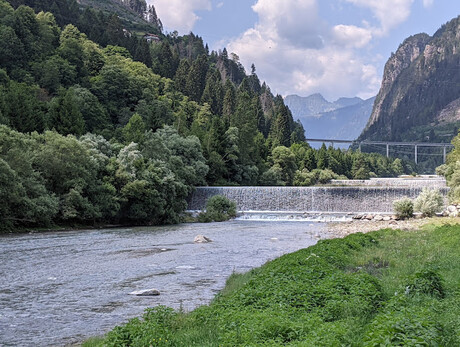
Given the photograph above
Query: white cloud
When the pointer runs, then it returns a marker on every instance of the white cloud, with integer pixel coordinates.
(390, 13)
(178, 14)
(428, 3)
(220, 4)
(351, 36)
(295, 51)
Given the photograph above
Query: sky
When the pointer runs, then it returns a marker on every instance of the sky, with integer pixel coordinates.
(334, 47)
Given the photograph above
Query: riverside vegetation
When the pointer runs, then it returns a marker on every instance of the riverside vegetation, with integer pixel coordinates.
(388, 287)
(100, 127)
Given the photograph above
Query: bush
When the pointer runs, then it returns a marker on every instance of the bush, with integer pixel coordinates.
(427, 281)
(403, 208)
(218, 209)
(442, 170)
(304, 178)
(326, 175)
(429, 202)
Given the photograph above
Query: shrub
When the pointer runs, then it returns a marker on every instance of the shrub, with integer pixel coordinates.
(304, 178)
(442, 170)
(218, 209)
(403, 208)
(401, 325)
(326, 175)
(426, 281)
(429, 202)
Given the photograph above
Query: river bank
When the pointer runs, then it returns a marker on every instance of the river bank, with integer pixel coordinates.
(389, 286)
(342, 229)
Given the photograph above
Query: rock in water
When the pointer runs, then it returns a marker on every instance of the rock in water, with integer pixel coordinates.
(145, 292)
(202, 239)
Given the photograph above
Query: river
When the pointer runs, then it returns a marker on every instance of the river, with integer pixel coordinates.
(58, 288)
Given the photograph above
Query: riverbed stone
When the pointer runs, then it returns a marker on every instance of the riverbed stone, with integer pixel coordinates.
(387, 218)
(378, 218)
(146, 292)
(451, 208)
(201, 239)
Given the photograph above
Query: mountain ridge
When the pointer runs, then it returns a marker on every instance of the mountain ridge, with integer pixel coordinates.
(343, 118)
(419, 95)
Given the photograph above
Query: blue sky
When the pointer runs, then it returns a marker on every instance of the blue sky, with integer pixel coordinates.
(334, 47)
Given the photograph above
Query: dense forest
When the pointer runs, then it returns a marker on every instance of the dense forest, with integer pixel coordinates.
(100, 126)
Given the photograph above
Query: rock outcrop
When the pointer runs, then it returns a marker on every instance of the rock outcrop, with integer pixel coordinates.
(420, 90)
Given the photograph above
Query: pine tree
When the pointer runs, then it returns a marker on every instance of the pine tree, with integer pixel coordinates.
(229, 103)
(65, 115)
(197, 78)
(180, 79)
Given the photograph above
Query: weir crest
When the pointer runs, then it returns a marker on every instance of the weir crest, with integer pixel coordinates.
(324, 199)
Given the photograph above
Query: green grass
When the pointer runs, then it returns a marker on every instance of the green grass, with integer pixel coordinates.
(385, 288)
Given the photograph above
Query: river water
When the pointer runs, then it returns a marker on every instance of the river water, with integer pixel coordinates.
(59, 288)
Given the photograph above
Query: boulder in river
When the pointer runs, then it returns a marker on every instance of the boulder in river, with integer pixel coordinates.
(146, 292)
(202, 239)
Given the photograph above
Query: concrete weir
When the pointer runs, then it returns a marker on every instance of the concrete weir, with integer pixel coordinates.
(324, 199)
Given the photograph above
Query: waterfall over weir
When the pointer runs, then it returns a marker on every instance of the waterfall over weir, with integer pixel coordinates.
(330, 199)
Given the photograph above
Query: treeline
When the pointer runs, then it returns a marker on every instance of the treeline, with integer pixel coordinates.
(301, 165)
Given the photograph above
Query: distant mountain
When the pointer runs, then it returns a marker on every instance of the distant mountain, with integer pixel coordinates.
(419, 99)
(344, 118)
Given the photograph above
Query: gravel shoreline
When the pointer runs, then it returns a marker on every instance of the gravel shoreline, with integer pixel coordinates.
(342, 229)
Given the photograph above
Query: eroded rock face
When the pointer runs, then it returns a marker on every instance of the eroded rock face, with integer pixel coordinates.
(146, 292)
(202, 239)
(407, 52)
(419, 86)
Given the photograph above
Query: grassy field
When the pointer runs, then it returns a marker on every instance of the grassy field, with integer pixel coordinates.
(384, 288)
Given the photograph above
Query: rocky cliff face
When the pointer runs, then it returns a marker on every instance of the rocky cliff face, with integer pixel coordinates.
(420, 86)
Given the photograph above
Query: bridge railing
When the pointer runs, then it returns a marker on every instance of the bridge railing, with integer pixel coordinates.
(416, 145)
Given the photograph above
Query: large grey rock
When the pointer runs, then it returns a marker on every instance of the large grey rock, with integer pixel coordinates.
(452, 208)
(202, 239)
(146, 292)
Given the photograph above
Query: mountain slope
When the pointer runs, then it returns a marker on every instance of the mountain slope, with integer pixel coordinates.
(419, 98)
(316, 104)
(342, 119)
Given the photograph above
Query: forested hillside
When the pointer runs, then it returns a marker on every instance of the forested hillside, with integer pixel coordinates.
(101, 126)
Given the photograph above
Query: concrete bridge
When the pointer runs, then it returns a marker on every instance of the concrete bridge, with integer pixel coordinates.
(416, 145)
